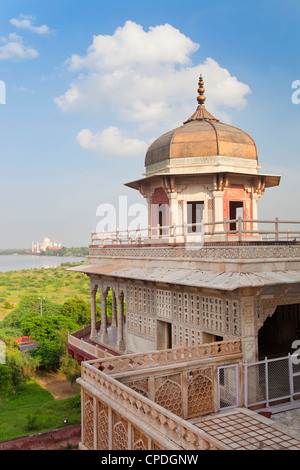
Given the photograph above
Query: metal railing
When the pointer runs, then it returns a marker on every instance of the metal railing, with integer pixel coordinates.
(271, 382)
(226, 230)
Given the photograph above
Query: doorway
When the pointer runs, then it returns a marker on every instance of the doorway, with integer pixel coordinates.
(195, 215)
(236, 210)
(279, 331)
(164, 335)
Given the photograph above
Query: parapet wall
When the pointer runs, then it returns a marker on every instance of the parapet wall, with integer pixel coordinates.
(240, 258)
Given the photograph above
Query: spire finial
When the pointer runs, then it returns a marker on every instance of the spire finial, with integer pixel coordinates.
(201, 98)
(201, 113)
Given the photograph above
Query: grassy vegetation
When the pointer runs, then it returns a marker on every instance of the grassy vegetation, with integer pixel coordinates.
(55, 284)
(33, 409)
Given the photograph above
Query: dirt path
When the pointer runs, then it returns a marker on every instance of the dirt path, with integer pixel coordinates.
(58, 385)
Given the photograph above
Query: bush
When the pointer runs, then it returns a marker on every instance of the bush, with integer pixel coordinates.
(6, 387)
(8, 306)
(31, 423)
(77, 310)
(76, 401)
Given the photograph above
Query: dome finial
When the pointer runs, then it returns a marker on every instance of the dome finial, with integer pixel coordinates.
(201, 98)
(201, 113)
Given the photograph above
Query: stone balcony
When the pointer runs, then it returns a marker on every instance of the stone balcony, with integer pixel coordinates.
(170, 400)
(271, 250)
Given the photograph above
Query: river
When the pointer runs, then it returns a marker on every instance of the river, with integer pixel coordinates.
(19, 262)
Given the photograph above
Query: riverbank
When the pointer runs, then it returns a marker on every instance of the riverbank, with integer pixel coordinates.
(81, 251)
(25, 262)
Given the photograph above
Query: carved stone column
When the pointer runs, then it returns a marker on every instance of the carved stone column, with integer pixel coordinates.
(120, 340)
(114, 309)
(218, 209)
(248, 324)
(93, 289)
(255, 199)
(173, 209)
(103, 330)
(250, 348)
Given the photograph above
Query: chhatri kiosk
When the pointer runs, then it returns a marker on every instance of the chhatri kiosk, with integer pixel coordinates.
(199, 298)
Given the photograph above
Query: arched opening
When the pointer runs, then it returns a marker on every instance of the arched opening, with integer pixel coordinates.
(113, 318)
(279, 331)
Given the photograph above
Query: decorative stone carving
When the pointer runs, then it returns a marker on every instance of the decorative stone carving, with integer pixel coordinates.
(248, 317)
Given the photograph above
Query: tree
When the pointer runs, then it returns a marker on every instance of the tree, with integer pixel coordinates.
(6, 386)
(45, 330)
(67, 365)
(78, 310)
(21, 367)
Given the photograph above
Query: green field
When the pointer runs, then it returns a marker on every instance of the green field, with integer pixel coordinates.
(33, 409)
(55, 284)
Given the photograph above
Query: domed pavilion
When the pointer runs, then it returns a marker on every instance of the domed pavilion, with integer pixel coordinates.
(203, 170)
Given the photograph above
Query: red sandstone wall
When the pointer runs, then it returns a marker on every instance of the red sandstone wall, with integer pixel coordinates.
(50, 440)
(237, 193)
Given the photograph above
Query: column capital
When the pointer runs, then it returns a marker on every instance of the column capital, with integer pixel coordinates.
(218, 193)
(93, 288)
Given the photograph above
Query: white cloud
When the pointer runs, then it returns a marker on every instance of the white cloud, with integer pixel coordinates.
(26, 22)
(13, 48)
(147, 80)
(131, 45)
(111, 142)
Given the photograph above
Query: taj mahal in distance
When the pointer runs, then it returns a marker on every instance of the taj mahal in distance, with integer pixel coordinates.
(198, 352)
(45, 244)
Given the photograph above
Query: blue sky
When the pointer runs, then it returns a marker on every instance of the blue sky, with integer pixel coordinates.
(85, 79)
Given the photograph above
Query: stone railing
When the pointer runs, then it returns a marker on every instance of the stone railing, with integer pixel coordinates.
(88, 348)
(161, 425)
(225, 230)
(132, 362)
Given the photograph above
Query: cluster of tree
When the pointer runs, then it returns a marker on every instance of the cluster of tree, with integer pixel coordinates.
(64, 251)
(74, 309)
(49, 327)
(19, 251)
